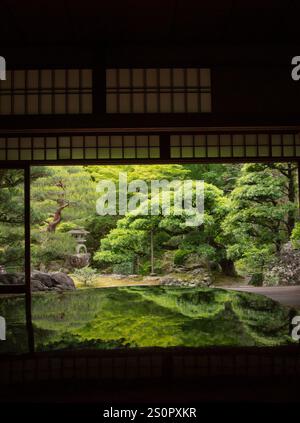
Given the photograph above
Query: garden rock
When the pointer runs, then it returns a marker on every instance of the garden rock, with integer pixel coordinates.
(62, 282)
(286, 269)
(40, 281)
(189, 282)
(11, 279)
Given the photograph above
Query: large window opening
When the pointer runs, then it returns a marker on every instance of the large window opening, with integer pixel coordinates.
(106, 277)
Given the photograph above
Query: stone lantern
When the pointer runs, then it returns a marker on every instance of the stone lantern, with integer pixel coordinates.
(82, 257)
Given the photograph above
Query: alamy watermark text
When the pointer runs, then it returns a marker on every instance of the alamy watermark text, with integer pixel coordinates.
(176, 197)
(2, 329)
(2, 69)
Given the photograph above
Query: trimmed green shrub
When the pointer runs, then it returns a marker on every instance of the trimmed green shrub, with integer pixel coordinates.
(257, 279)
(180, 257)
(86, 275)
(295, 237)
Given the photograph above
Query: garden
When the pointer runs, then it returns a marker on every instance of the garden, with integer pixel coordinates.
(125, 279)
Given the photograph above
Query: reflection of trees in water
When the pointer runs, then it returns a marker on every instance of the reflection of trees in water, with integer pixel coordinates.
(146, 317)
(13, 308)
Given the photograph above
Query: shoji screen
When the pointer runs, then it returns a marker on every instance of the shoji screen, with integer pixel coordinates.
(162, 90)
(46, 91)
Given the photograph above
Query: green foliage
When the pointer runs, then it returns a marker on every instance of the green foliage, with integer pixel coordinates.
(50, 247)
(65, 227)
(223, 176)
(144, 268)
(295, 237)
(255, 258)
(257, 279)
(121, 245)
(144, 172)
(249, 213)
(209, 252)
(272, 279)
(148, 317)
(262, 208)
(130, 240)
(11, 219)
(80, 191)
(123, 268)
(180, 256)
(86, 275)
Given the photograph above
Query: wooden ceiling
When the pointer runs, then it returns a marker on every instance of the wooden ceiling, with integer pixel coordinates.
(90, 22)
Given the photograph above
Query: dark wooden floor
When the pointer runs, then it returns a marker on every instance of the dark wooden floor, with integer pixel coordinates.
(175, 375)
(263, 390)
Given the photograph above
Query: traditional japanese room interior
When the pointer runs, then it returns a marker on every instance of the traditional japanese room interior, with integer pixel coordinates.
(95, 305)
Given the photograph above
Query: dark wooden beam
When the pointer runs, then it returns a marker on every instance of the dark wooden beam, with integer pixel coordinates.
(164, 146)
(150, 122)
(12, 289)
(151, 54)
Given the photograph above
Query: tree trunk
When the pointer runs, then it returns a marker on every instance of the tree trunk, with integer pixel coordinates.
(56, 218)
(278, 244)
(228, 268)
(136, 264)
(152, 252)
(292, 198)
(62, 203)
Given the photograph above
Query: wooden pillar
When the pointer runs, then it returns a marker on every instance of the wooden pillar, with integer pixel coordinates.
(28, 305)
(164, 146)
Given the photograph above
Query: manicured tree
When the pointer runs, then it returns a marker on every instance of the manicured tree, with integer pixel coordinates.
(209, 240)
(145, 172)
(70, 185)
(146, 227)
(62, 203)
(135, 235)
(121, 245)
(288, 172)
(12, 216)
(260, 215)
(61, 199)
(223, 176)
